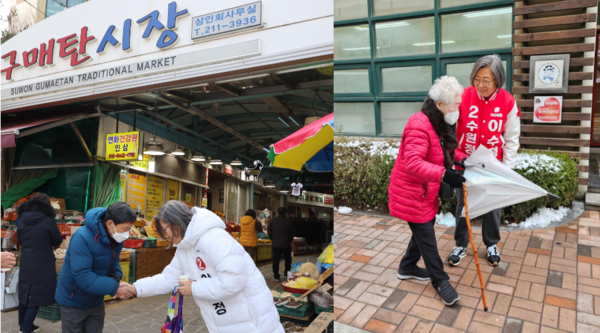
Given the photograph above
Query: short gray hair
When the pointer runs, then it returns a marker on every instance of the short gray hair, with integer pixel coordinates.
(445, 89)
(494, 63)
(176, 214)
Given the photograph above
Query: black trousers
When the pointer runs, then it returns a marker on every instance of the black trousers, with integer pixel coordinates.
(26, 317)
(82, 320)
(287, 255)
(490, 225)
(423, 244)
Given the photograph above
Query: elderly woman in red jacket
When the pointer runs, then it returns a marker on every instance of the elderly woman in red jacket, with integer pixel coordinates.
(488, 116)
(421, 166)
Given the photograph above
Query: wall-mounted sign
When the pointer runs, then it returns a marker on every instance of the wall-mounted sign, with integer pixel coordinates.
(154, 196)
(253, 171)
(228, 169)
(221, 195)
(229, 20)
(172, 190)
(145, 164)
(122, 146)
(549, 74)
(313, 198)
(547, 109)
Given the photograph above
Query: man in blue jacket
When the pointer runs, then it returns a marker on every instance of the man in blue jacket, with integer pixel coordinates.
(91, 269)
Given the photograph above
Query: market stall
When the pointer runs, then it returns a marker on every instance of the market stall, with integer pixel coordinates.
(307, 294)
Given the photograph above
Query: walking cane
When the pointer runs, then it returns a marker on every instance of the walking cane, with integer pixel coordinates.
(473, 244)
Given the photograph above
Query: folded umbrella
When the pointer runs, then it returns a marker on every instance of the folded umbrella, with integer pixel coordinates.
(493, 185)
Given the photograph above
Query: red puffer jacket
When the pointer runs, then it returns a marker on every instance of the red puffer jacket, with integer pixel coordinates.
(416, 178)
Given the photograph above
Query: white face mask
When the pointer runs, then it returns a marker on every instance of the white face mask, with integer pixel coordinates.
(451, 118)
(120, 237)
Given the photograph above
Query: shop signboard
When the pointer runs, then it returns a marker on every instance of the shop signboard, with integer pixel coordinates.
(313, 198)
(221, 195)
(253, 171)
(144, 164)
(122, 146)
(228, 169)
(172, 190)
(136, 192)
(229, 20)
(155, 196)
(547, 109)
(123, 186)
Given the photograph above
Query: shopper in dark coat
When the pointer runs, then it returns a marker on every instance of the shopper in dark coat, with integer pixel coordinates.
(37, 233)
(281, 232)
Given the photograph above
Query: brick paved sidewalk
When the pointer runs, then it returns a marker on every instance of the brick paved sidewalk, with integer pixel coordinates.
(549, 280)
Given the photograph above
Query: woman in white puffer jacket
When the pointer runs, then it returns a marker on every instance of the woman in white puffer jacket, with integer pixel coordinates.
(231, 292)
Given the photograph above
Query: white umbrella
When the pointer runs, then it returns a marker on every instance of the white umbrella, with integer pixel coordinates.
(492, 185)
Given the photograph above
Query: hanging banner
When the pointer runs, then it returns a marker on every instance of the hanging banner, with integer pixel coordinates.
(123, 187)
(547, 109)
(253, 171)
(155, 196)
(122, 146)
(136, 192)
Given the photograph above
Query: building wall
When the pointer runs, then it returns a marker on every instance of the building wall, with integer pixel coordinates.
(215, 184)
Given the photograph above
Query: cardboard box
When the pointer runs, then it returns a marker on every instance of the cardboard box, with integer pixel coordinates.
(321, 323)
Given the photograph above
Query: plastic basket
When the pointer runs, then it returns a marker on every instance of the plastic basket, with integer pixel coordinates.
(294, 290)
(149, 243)
(319, 309)
(162, 243)
(51, 312)
(133, 243)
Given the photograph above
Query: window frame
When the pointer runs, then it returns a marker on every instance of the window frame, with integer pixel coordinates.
(356, 66)
(438, 60)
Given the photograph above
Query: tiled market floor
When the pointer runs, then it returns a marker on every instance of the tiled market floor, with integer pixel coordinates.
(549, 280)
(146, 314)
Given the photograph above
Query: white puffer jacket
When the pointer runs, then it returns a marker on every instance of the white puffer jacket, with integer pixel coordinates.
(231, 292)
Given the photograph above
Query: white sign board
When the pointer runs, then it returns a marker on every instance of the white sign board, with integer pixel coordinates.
(547, 109)
(229, 20)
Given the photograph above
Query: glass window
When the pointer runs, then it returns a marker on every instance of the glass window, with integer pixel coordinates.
(351, 42)
(355, 117)
(53, 7)
(351, 81)
(462, 72)
(349, 9)
(403, 38)
(454, 3)
(389, 7)
(479, 30)
(404, 79)
(395, 115)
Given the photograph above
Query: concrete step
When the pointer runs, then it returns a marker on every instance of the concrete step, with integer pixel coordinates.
(592, 201)
(593, 189)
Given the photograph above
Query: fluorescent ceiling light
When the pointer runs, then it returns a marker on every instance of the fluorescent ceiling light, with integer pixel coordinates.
(294, 121)
(297, 69)
(284, 191)
(194, 86)
(265, 149)
(215, 161)
(242, 78)
(198, 158)
(504, 36)
(236, 162)
(283, 121)
(391, 25)
(358, 48)
(489, 12)
(152, 164)
(178, 151)
(433, 43)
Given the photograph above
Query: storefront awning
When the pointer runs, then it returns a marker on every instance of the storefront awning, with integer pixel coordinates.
(10, 129)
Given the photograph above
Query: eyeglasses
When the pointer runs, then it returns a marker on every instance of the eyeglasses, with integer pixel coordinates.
(486, 83)
(164, 230)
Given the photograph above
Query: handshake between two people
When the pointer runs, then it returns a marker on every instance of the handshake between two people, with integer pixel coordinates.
(126, 291)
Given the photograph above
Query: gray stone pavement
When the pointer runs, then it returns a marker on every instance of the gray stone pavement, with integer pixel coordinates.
(145, 314)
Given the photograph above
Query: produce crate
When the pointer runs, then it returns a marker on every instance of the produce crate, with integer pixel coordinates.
(149, 243)
(51, 312)
(304, 310)
(319, 309)
(134, 243)
(162, 243)
(125, 256)
(152, 261)
(265, 252)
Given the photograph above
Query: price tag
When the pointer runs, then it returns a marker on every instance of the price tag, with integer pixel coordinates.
(327, 287)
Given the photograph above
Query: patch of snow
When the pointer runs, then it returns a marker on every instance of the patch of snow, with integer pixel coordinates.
(543, 217)
(344, 210)
(374, 147)
(531, 163)
(446, 219)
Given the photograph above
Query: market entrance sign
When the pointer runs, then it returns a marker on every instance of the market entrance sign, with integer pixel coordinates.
(80, 45)
(122, 146)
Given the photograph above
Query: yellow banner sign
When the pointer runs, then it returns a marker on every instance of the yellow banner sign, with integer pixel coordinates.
(173, 188)
(122, 146)
(155, 196)
(145, 164)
